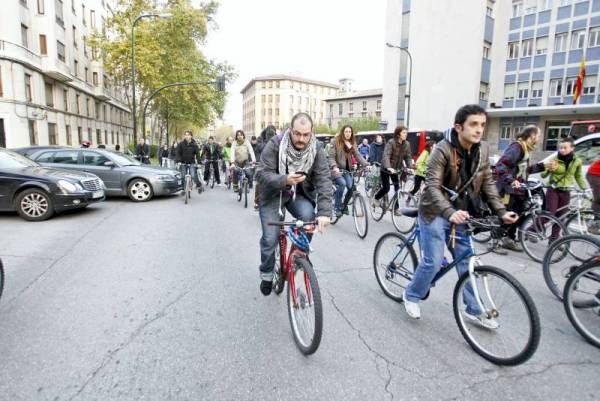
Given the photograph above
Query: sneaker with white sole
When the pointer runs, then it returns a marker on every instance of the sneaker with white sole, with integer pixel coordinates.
(412, 309)
(483, 321)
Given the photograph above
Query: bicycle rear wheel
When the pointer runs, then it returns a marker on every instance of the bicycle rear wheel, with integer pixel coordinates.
(564, 256)
(212, 178)
(245, 193)
(306, 316)
(581, 299)
(402, 223)
(535, 232)
(361, 217)
(394, 262)
(586, 222)
(504, 299)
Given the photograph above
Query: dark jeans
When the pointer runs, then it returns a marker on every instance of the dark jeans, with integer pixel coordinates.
(301, 208)
(193, 172)
(385, 184)
(215, 164)
(516, 204)
(594, 181)
(418, 181)
(556, 199)
(341, 183)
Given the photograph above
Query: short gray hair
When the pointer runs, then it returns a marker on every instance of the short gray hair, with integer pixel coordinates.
(303, 118)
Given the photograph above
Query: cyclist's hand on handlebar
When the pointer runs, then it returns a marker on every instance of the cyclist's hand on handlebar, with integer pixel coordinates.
(510, 217)
(459, 217)
(322, 222)
(294, 179)
(516, 184)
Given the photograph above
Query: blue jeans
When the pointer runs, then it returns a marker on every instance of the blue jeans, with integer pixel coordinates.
(193, 172)
(433, 237)
(301, 208)
(341, 183)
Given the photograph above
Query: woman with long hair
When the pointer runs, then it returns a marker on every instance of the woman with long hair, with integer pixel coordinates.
(342, 154)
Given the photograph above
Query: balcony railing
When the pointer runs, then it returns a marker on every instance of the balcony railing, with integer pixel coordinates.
(18, 52)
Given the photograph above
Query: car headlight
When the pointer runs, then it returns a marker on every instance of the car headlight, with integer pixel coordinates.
(102, 183)
(165, 177)
(68, 187)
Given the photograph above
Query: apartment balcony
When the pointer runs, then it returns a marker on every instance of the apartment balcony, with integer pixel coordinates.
(101, 93)
(13, 51)
(56, 69)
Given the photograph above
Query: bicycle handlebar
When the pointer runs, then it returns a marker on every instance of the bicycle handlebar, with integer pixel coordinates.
(297, 223)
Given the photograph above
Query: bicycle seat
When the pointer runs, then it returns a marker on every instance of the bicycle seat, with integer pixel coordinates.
(409, 211)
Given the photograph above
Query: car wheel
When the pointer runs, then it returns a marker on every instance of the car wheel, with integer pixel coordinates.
(139, 190)
(34, 204)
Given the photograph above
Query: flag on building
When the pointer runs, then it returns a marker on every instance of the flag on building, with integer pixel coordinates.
(579, 83)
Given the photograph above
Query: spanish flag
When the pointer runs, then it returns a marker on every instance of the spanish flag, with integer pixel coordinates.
(579, 84)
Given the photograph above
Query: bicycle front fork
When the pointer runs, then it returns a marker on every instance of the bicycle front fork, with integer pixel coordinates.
(492, 312)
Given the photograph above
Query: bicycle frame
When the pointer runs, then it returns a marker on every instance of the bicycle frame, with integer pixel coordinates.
(287, 265)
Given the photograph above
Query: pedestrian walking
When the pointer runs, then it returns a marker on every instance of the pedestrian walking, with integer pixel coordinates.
(163, 156)
(142, 151)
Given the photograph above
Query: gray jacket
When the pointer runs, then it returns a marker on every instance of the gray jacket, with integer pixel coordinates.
(317, 185)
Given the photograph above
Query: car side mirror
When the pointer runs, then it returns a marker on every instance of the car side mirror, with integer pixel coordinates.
(109, 164)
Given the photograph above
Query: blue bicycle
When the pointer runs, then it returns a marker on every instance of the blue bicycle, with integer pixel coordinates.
(498, 294)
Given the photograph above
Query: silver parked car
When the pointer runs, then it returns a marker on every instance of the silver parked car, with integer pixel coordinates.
(122, 175)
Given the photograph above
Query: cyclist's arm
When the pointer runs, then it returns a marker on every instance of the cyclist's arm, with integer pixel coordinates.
(387, 154)
(269, 178)
(321, 178)
(581, 182)
(251, 151)
(408, 161)
(435, 179)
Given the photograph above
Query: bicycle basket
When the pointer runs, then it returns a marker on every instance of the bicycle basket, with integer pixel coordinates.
(373, 178)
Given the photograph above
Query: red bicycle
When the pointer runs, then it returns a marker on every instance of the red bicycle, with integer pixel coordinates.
(305, 309)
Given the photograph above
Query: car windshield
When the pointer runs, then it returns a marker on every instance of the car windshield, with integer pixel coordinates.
(14, 160)
(124, 160)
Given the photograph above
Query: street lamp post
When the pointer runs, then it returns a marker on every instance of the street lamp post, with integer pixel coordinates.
(219, 86)
(165, 15)
(409, 89)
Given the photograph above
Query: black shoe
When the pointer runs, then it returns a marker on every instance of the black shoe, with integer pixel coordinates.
(266, 287)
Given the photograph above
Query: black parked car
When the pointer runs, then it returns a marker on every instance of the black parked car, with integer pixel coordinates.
(36, 192)
(28, 150)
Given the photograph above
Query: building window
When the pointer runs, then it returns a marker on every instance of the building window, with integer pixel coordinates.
(33, 136)
(513, 50)
(40, 8)
(83, 15)
(594, 38)
(93, 19)
(79, 135)
(76, 67)
(74, 36)
(486, 51)
(66, 99)
(277, 97)
(58, 4)
(49, 88)
(86, 72)
(270, 98)
(60, 51)
(350, 107)
(28, 92)
(364, 104)
(536, 89)
(589, 85)
(98, 137)
(517, 8)
(105, 136)
(509, 91)
(24, 34)
(263, 84)
(52, 134)
(483, 91)
(340, 108)
(77, 103)
(87, 107)
(95, 78)
(527, 48)
(98, 115)
(541, 45)
(85, 49)
(68, 135)
(43, 45)
(277, 84)
(546, 5)
(560, 42)
(523, 90)
(577, 39)
(570, 86)
(270, 84)
(506, 132)
(378, 104)
(556, 87)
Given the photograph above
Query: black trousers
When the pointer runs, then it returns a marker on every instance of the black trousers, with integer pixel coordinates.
(385, 184)
(215, 164)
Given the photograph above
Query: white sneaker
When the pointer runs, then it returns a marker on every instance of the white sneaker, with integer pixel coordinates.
(483, 321)
(413, 309)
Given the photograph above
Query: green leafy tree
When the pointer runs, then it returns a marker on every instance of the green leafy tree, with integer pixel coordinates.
(360, 124)
(167, 50)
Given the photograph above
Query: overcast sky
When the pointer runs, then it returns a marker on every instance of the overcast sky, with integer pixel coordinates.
(318, 39)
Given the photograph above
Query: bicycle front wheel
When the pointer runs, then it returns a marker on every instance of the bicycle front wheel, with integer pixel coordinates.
(402, 223)
(535, 234)
(245, 193)
(377, 208)
(361, 217)
(564, 256)
(581, 299)
(306, 313)
(516, 336)
(394, 262)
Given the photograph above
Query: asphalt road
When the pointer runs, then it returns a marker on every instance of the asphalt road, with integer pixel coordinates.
(160, 301)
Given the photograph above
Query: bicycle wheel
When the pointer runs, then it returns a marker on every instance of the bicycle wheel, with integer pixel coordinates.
(306, 317)
(535, 232)
(517, 336)
(361, 217)
(278, 277)
(402, 223)
(377, 208)
(586, 222)
(1, 277)
(581, 299)
(187, 190)
(240, 189)
(394, 262)
(245, 193)
(564, 256)
(212, 178)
